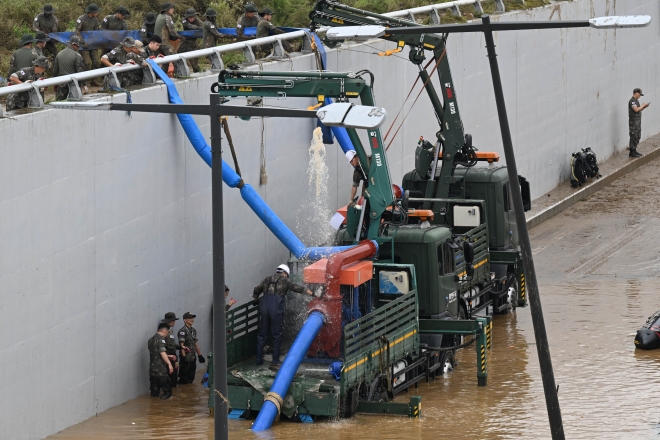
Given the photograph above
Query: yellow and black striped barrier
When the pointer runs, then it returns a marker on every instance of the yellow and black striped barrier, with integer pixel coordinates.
(482, 356)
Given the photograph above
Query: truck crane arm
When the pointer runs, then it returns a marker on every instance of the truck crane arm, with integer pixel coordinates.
(322, 85)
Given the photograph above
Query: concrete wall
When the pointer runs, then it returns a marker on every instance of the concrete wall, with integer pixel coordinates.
(105, 219)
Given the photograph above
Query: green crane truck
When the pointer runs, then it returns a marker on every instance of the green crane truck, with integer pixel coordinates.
(448, 253)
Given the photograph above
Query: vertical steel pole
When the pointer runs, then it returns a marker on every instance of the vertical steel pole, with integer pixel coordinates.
(219, 331)
(542, 347)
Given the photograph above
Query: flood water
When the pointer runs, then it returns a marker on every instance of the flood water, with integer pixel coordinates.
(598, 268)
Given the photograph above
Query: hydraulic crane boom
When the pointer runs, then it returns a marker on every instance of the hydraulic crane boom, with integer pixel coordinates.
(322, 85)
(451, 138)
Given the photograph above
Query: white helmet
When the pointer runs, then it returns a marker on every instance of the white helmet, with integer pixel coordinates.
(283, 268)
(350, 154)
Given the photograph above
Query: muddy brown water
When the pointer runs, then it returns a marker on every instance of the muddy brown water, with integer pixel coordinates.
(598, 266)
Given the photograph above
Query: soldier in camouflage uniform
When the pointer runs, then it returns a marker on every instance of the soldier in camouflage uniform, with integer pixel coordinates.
(172, 345)
(147, 29)
(67, 62)
(271, 307)
(40, 43)
(164, 28)
(115, 22)
(188, 346)
(152, 50)
(264, 29)
(20, 100)
(159, 364)
(46, 22)
(126, 53)
(248, 19)
(22, 57)
(635, 121)
(210, 34)
(88, 22)
(190, 23)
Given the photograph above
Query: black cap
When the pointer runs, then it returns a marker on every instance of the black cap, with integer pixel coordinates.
(48, 9)
(150, 18)
(188, 315)
(266, 11)
(190, 12)
(169, 316)
(638, 90)
(166, 6)
(93, 7)
(163, 325)
(210, 13)
(123, 10)
(250, 8)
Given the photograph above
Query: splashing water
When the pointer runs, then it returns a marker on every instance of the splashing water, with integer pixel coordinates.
(313, 216)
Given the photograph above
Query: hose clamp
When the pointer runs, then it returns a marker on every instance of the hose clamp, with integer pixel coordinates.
(275, 399)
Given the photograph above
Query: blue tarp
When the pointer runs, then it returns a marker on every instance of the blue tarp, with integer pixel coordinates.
(110, 39)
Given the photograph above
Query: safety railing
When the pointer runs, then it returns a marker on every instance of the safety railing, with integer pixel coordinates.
(214, 53)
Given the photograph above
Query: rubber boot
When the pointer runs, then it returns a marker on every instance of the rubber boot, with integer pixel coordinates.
(634, 153)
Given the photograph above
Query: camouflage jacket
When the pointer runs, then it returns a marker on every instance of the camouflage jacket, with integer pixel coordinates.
(37, 51)
(210, 34)
(188, 335)
(634, 118)
(266, 28)
(164, 28)
(157, 366)
(68, 61)
(21, 58)
(244, 22)
(45, 24)
(146, 52)
(278, 284)
(146, 31)
(119, 55)
(171, 344)
(112, 23)
(194, 26)
(86, 23)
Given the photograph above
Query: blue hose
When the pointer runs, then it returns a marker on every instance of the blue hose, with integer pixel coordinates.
(232, 179)
(288, 370)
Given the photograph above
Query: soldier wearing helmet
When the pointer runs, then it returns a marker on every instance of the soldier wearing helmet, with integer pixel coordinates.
(271, 307)
(191, 23)
(248, 20)
(20, 100)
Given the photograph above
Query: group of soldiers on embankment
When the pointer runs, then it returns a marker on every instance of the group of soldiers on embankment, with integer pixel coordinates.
(158, 38)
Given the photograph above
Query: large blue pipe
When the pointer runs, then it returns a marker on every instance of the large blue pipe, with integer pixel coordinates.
(232, 179)
(288, 370)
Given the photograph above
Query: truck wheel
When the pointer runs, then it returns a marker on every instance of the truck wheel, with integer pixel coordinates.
(447, 361)
(511, 292)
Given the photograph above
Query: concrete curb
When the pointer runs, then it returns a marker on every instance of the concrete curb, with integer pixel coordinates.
(586, 191)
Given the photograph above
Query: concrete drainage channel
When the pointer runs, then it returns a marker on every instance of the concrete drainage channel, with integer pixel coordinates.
(622, 167)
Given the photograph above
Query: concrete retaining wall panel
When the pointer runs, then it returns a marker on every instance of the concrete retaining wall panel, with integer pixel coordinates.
(105, 219)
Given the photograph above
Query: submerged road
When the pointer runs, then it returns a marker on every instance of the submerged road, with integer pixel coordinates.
(598, 268)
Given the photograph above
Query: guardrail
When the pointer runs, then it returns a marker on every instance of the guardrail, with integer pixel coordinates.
(215, 54)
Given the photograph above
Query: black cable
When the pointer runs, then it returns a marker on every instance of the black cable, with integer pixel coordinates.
(455, 347)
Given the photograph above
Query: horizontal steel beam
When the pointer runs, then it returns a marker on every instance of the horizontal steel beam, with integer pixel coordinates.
(449, 326)
(191, 109)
